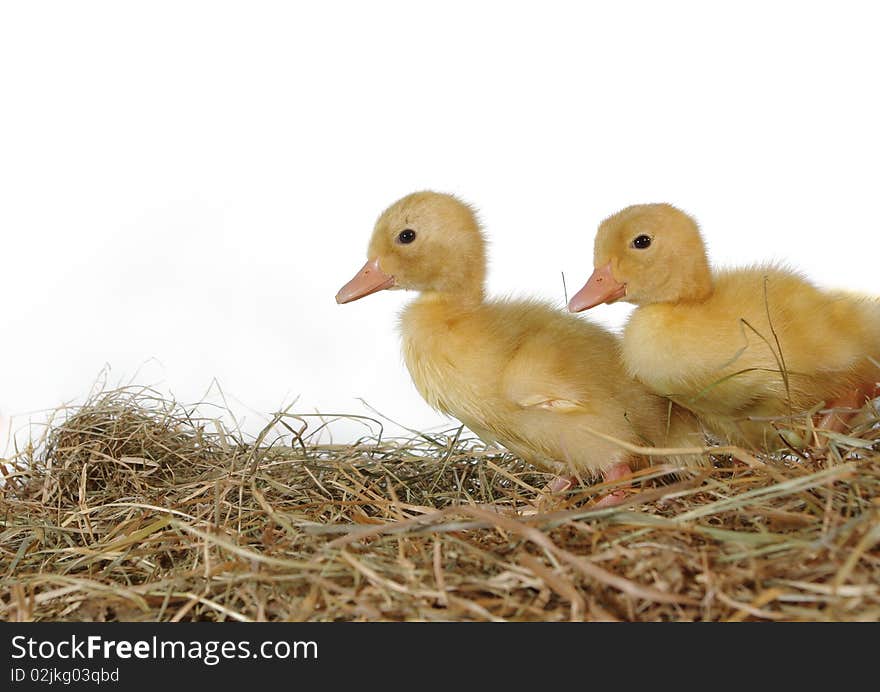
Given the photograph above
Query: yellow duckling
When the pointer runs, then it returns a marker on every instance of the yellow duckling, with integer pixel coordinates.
(735, 347)
(515, 372)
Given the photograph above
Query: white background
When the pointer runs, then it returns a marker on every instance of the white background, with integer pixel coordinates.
(185, 185)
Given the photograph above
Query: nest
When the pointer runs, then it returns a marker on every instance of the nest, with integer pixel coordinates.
(134, 508)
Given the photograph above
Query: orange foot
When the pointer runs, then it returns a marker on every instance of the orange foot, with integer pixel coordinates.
(837, 421)
(616, 472)
(562, 483)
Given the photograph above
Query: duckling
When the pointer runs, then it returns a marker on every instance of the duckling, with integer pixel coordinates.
(517, 373)
(736, 347)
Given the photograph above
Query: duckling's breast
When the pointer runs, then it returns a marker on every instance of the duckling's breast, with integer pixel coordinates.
(443, 357)
(709, 367)
(659, 351)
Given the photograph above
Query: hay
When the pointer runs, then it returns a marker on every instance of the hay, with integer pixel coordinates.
(133, 508)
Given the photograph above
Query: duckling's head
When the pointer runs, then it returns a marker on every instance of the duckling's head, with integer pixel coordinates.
(428, 242)
(648, 253)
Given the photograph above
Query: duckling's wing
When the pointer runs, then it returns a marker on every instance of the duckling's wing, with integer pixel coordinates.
(533, 385)
(548, 402)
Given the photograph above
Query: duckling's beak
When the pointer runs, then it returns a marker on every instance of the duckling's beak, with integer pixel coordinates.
(601, 287)
(368, 280)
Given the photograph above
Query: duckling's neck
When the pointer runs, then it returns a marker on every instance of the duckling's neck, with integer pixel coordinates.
(466, 298)
(698, 290)
(695, 286)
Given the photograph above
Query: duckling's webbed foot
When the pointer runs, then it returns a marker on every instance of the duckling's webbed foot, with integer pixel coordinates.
(616, 472)
(562, 483)
(837, 420)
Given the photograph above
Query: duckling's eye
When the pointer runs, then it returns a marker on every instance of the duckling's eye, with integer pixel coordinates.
(640, 242)
(406, 236)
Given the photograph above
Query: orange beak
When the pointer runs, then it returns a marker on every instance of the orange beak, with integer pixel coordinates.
(368, 280)
(601, 287)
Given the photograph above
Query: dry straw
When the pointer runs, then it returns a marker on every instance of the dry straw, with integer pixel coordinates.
(132, 508)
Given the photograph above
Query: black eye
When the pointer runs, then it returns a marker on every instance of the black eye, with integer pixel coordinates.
(406, 236)
(640, 242)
